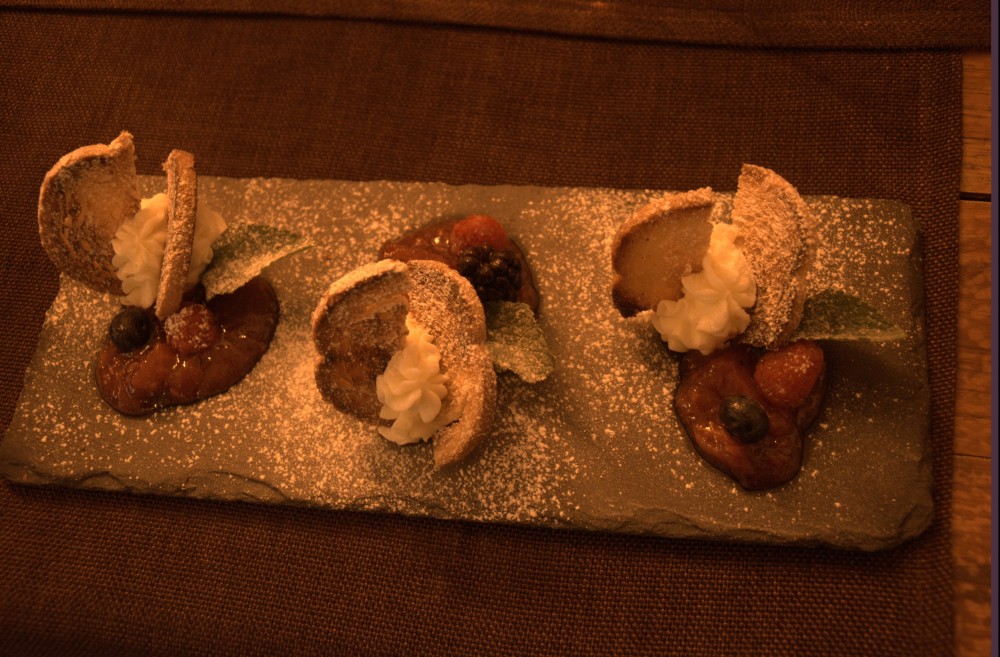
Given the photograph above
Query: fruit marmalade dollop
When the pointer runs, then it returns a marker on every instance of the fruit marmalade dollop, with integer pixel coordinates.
(446, 240)
(200, 351)
(759, 450)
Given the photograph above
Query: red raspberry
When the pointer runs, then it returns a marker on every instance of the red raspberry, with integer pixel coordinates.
(787, 376)
(192, 329)
(477, 230)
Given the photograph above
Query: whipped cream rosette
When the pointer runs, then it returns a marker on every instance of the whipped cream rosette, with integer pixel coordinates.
(411, 389)
(139, 245)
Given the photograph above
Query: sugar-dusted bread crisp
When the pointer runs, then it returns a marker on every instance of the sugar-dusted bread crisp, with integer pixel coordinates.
(446, 303)
(777, 232)
(656, 246)
(361, 322)
(84, 198)
(182, 198)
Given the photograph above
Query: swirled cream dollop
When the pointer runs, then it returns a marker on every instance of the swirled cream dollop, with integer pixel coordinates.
(712, 306)
(139, 245)
(412, 389)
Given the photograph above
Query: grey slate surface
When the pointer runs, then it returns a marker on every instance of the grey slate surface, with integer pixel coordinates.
(596, 446)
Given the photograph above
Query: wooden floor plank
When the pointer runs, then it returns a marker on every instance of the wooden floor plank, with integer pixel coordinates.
(972, 404)
(976, 123)
(971, 549)
(971, 511)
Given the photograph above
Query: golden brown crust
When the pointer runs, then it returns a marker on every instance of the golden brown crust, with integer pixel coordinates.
(361, 322)
(656, 246)
(84, 198)
(182, 198)
(776, 236)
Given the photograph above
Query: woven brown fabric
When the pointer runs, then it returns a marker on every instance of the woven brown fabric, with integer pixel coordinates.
(104, 574)
(801, 23)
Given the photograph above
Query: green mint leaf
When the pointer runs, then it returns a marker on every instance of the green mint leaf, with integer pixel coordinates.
(243, 251)
(835, 315)
(516, 342)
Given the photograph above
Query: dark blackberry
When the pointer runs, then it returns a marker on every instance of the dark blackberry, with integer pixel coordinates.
(494, 273)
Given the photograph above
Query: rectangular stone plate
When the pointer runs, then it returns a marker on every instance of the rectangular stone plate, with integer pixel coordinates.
(597, 446)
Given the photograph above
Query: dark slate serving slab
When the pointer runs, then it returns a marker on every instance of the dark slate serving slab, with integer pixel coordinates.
(597, 446)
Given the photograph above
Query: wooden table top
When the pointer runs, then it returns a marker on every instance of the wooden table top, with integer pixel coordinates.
(970, 513)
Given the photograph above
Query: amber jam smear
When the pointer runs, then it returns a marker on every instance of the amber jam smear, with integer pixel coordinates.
(433, 242)
(789, 386)
(157, 375)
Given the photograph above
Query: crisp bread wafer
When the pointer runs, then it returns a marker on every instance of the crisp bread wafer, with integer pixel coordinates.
(84, 199)
(182, 195)
(446, 303)
(776, 236)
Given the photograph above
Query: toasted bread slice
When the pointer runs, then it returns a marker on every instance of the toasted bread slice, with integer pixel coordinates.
(84, 198)
(776, 236)
(182, 199)
(656, 246)
(361, 322)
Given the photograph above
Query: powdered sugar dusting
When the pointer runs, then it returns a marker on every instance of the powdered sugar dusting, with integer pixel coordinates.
(596, 445)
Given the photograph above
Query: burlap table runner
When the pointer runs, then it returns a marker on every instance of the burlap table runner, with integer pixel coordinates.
(332, 97)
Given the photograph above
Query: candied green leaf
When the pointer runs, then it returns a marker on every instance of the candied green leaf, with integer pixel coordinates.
(836, 315)
(243, 251)
(516, 342)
